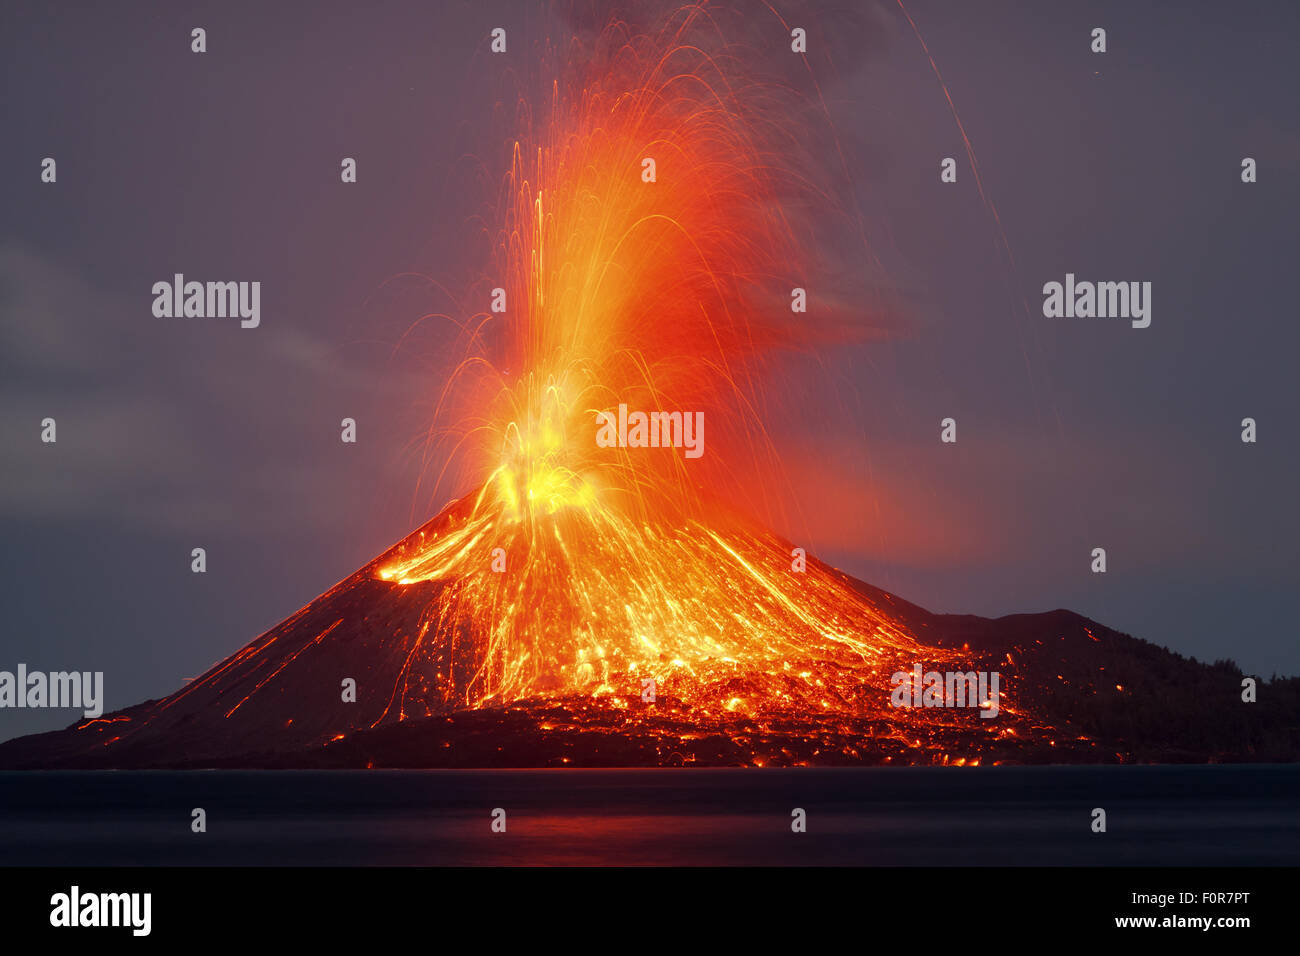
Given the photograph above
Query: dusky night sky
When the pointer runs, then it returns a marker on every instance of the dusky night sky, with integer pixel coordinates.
(1073, 433)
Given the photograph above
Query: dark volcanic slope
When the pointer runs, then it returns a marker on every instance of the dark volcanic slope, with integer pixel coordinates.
(1140, 702)
(273, 695)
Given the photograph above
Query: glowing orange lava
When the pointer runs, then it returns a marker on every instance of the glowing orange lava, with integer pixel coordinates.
(648, 258)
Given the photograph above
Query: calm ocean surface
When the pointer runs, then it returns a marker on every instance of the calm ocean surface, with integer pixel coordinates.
(1159, 816)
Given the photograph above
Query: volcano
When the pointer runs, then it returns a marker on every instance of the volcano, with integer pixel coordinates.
(558, 659)
(662, 242)
(576, 622)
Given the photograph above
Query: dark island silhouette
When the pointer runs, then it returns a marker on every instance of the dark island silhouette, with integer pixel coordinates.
(1073, 691)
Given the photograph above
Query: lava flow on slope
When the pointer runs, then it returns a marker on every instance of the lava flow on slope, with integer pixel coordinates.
(600, 643)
